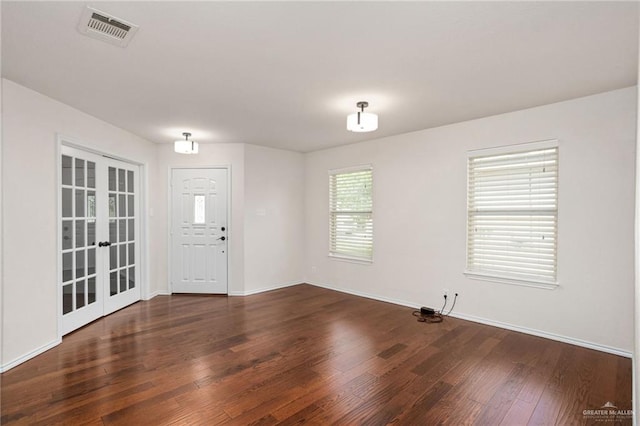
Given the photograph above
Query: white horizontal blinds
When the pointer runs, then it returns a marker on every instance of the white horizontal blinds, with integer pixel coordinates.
(351, 218)
(513, 215)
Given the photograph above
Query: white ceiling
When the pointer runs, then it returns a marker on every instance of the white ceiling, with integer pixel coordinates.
(286, 74)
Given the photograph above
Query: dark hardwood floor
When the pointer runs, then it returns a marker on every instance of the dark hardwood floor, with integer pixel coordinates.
(306, 355)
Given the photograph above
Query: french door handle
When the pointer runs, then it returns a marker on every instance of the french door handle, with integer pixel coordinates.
(104, 244)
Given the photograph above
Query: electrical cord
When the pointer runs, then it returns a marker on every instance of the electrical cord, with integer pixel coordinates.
(437, 316)
(455, 297)
(445, 304)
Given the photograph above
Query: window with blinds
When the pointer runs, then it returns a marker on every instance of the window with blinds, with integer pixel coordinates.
(351, 213)
(513, 214)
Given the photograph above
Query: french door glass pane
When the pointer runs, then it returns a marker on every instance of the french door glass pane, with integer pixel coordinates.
(67, 266)
(113, 230)
(121, 180)
(79, 233)
(67, 202)
(122, 230)
(91, 290)
(112, 179)
(113, 283)
(79, 203)
(123, 280)
(66, 170)
(79, 294)
(80, 271)
(91, 261)
(91, 204)
(67, 234)
(79, 172)
(123, 255)
(122, 205)
(132, 274)
(91, 174)
(112, 205)
(113, 257)
(131, 253)
(67, 298)
(130, 182)
(91, 232)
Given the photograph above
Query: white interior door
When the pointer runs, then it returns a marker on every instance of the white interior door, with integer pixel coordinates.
(80, 279)
(199, 231)
(98, 237)
(122, 247)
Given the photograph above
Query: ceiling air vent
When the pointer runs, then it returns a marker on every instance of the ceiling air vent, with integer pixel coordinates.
(105, 27)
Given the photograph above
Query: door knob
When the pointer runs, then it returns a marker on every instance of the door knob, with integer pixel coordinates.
(222, 238)
(104, 244)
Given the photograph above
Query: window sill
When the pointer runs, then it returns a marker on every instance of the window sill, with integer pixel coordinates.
(512, 281)
(350, 259)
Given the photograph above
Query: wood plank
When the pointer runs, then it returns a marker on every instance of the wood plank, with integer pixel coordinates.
(309, 355)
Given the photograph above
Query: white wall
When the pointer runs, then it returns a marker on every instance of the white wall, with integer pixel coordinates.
(209, 155)
(420, 220)
(273, 218)
(31, 122)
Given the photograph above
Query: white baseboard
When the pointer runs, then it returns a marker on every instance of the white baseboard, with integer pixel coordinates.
(546, 335)
(8, 366)
(499, 324)
(157, 293)
(263, 289)
(235, 293)
(367, 295)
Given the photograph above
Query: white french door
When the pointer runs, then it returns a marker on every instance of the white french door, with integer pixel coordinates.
(199, 231)
(99, 231)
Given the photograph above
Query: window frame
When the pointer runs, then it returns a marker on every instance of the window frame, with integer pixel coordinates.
(336, 254)
(506, 278)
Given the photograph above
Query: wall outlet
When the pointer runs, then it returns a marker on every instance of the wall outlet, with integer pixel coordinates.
(445, 292)
(314, 269)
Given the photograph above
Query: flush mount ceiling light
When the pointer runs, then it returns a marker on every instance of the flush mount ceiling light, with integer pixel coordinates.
(186, 146)
(362, 121)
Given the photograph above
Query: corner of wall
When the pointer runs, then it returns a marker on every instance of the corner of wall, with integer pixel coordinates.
(636, 334)
(273, 218)
(2, 322)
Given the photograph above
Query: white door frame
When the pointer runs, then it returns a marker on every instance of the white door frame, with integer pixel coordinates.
(143, 223)
(226, 167)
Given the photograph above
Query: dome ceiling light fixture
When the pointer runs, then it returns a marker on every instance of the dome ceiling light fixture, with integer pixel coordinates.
(186, 146)
(362, 121)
